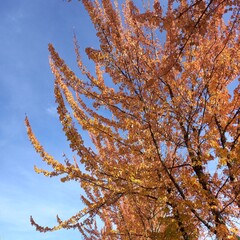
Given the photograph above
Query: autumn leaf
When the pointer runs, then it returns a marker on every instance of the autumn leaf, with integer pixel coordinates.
(162, 112)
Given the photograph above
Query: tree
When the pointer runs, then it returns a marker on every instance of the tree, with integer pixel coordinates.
(163, 104)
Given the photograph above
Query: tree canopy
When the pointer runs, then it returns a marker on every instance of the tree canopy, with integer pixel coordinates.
(162, 111)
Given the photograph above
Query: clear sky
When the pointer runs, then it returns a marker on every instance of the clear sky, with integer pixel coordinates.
(26, 84)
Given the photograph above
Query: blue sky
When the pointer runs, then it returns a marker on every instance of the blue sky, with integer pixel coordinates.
(26, 83)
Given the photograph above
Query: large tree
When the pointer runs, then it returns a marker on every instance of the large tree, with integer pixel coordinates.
(161, 107)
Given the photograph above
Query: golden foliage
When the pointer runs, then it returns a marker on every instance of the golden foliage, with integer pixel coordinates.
(168, 112)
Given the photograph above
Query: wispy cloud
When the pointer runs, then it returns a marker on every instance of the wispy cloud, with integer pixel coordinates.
(52, 111)
(43, 203)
